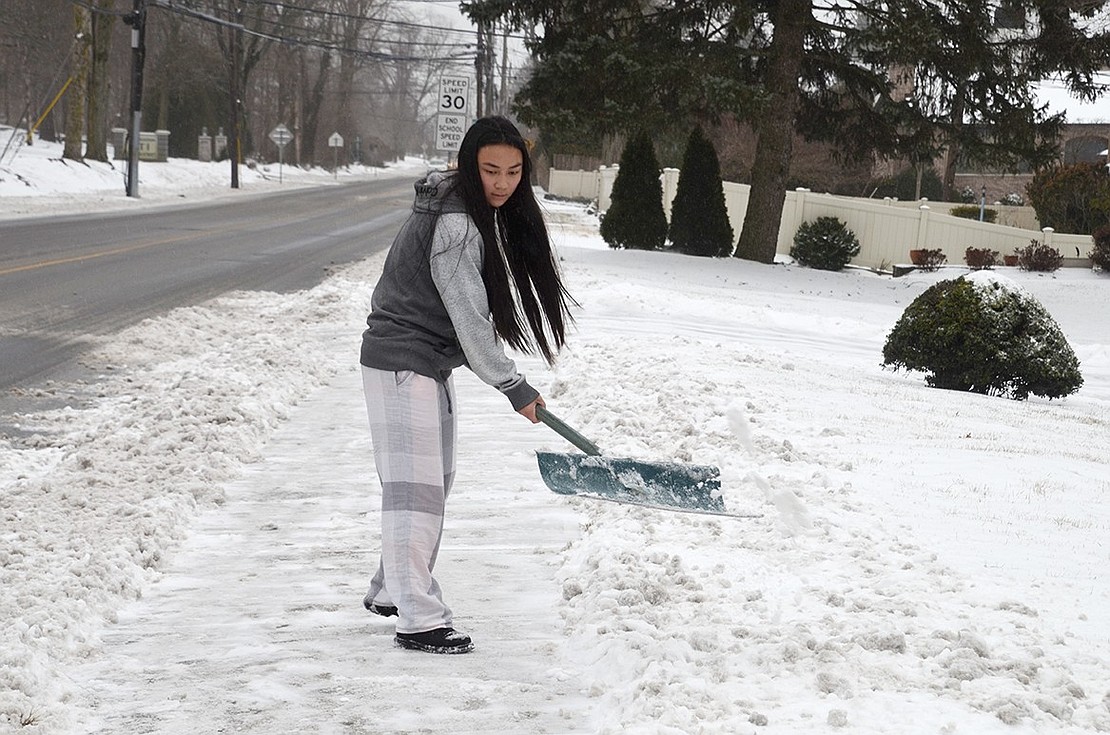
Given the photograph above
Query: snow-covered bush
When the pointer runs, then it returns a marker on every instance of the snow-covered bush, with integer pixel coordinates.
(826, 244)
(983, 333)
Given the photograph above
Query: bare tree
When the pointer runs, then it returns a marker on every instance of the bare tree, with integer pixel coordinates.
(96, 107)
(79, 65)
(34, 60)
(358, 67)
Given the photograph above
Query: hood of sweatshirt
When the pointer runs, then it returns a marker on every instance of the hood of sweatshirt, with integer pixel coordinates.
(436, 194)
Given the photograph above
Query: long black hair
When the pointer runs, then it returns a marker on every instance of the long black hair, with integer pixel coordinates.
(531, 288)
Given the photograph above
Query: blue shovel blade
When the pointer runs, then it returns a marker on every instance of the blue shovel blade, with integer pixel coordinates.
(665, 484)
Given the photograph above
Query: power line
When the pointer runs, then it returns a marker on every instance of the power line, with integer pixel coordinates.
(286, 27)
(102, 11)
(349, 16)
(173, 7)
(388, 21)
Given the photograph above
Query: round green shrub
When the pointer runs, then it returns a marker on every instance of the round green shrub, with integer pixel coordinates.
(982, 333)
(968, 211)
(825, 243)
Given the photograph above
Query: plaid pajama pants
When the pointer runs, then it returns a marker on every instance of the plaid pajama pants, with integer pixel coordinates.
(412, 427)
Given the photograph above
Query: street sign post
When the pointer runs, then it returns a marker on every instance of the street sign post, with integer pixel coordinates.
(453, 113)
(335, 142)
(281, 137)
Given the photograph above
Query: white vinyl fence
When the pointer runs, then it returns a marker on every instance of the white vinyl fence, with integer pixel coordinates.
(887, 229)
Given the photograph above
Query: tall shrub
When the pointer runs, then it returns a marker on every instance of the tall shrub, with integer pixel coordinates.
(1100, 255)
(636, 218)
(699, 217)
(1073, 198)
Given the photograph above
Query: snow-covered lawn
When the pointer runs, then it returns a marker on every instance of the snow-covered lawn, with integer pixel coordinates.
(189, 553)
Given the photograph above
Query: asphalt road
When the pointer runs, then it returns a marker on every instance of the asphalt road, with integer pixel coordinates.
(66, 280)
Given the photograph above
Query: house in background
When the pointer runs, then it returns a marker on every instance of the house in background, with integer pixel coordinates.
(1085, 139)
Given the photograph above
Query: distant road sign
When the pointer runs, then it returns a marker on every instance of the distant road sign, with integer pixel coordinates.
(281, 136)
(450, 130)
(335, 141)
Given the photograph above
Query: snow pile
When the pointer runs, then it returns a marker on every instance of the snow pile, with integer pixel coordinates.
(185, 402)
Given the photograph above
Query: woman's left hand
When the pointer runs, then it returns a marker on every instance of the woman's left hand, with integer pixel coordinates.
(529, 411)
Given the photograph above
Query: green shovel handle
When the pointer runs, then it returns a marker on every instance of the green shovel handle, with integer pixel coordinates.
(572, 436)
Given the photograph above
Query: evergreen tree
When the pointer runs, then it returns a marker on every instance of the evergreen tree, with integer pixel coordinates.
(636, 218)
(699, 218)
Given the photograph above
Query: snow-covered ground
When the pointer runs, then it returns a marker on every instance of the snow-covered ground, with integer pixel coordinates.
(189, 553)
(35, 180)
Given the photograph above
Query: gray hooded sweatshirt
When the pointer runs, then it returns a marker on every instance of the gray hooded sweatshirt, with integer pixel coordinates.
(429, 312)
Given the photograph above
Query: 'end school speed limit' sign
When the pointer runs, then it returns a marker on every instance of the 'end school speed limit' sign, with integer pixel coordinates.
(453, 112)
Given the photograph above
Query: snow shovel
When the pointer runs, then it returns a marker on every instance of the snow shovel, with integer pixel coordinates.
(666, 485)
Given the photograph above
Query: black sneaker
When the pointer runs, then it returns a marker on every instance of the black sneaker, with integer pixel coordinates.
(386, 611)
(440, 640)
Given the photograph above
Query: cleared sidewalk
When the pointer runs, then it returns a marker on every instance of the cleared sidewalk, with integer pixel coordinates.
(257, 624)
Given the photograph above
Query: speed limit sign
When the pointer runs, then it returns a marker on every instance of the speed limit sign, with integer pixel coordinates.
(454, 95)
(451, 118)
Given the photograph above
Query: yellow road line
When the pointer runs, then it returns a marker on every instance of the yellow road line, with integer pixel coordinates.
(104, 253)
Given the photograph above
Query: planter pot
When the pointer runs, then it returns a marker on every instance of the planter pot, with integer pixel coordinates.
(1010, 259)
(917, 257)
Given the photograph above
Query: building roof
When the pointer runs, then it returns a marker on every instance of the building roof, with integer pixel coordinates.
(1056, 96)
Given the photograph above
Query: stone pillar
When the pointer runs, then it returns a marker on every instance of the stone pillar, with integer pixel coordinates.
(221, 145)
(119, 144)
(163, 145)
(204, 145)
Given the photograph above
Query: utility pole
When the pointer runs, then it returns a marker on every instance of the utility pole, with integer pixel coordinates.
(490, 67)
(480, 69)
(484, 68)
(503, 97)
(234, 40)
(137, 21)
